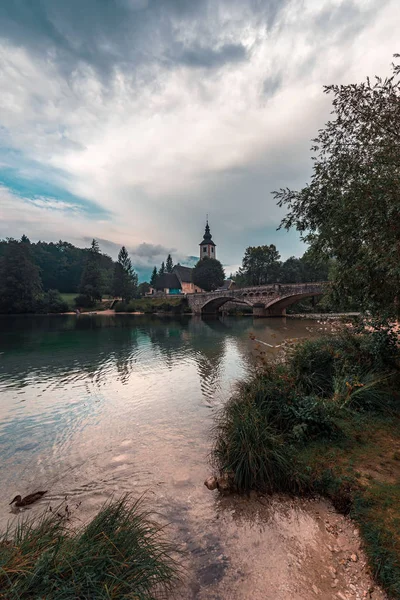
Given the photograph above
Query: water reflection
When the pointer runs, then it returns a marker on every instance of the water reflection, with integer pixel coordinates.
(99, 403)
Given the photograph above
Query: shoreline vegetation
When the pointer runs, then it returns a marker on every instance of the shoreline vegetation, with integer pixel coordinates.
(121, 553)
(324, 419)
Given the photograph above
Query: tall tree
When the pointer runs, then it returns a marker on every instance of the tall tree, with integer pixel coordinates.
(20, 283)
(260, 265)
(125, 279)
(169, 265)
(162, 269)
(91, 285)
(351, 208)
(153, 277)
(208, 274)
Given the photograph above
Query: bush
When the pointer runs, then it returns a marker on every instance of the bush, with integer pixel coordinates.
(54, 303)
(312, 365)
(284, 407)
(83, 301)
(256, 431)
(174, 306)
(120, 554)
(250, 448)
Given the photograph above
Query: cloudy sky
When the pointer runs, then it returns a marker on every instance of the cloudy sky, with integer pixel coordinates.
(129, 120)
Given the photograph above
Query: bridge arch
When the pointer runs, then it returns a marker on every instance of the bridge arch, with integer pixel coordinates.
(212, 306)
(278, 306)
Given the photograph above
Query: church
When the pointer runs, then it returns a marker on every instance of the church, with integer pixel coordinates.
(180, 280)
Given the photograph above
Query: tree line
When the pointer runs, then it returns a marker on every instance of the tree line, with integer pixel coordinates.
(262, 265)
(33, 276)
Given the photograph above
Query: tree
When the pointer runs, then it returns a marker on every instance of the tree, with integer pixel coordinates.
(260, 265)
(153, 277)
(162, 269)
(20, 283)
(125, 279)
(143, 288)
(350, 210)
(208, 274)
(91, 285)
(169, 264)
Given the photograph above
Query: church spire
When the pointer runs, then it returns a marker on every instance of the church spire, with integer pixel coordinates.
(207, 246)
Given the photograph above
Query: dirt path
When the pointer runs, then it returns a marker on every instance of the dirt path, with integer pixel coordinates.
(277, 549)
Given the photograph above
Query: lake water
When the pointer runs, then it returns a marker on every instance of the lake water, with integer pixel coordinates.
(92, 406)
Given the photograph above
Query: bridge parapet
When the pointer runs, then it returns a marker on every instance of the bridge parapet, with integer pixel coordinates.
(273, 298)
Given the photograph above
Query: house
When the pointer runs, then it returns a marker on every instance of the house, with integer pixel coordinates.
(167, 284)
(184, 275)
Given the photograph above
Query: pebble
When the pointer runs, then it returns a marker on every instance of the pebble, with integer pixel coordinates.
(354, 557)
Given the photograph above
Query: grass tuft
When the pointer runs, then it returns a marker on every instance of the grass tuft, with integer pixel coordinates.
(120, 554)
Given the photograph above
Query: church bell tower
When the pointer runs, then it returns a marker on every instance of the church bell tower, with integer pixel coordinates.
(207, 246)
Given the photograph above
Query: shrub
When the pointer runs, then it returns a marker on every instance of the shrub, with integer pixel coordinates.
(54, 303)
(120, 554)
(257, 429)
(83, 301)
(250, 448)
(312, 365)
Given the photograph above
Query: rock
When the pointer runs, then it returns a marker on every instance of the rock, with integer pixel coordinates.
(224, 483)
(354, 557)
(211, 483)
(315, 590)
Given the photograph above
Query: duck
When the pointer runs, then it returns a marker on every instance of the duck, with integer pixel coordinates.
(30, 499)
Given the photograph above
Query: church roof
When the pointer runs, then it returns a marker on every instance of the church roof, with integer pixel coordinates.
(168, 280)
(184, 274)
(207, 239)
(226, 285)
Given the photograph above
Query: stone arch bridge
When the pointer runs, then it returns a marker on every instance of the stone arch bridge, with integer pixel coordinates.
(267, 300)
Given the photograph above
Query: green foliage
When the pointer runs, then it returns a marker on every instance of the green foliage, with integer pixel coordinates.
(162, 269)
(260, 265)
(258, 428)
(208, 274)
(53, 302)
(169, 265)
(351, 210)
(125, 281)
(91, 284)
(154, 305)
(83, 301)
(120, 554)
(61, 265)
(380, 543)
(153, 278)
(143, 289)
(20, 283)
(249, 447)
(312, 365)
(283, 406)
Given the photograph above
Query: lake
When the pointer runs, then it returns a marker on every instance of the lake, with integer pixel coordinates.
(95, 406)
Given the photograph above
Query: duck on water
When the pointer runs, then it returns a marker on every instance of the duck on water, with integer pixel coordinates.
(30, 499)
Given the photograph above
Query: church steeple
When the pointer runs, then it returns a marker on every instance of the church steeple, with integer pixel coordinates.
(207, 246)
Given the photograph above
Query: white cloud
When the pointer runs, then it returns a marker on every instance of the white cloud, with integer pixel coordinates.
(163, 145)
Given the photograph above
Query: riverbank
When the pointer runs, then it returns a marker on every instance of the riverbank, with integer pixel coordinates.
(324, 422)
(84, 415)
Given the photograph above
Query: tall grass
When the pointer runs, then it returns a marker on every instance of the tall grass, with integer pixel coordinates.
(120, 554)
(281, 408)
